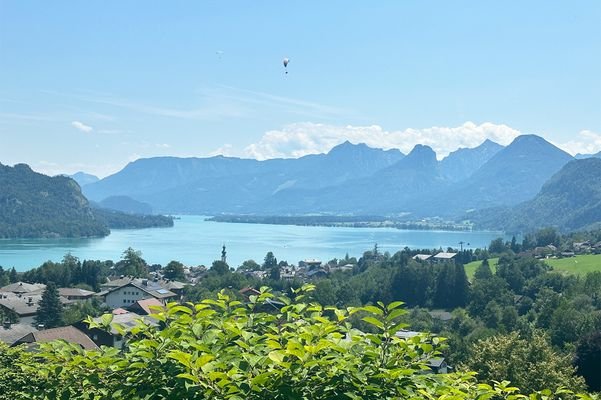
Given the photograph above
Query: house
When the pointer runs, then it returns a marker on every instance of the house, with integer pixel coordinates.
(69, 334)
(342, 268)
(143, 307)
(25, 307)
(444, 257)
(113, 338)
(129, 293)
(75, 294)
(23, 288)
(438, 365)
(441, 315)
(310, 264)
(10, 333)
(422, 257)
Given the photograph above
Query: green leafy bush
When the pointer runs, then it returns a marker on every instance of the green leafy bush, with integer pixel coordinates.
(271, 348)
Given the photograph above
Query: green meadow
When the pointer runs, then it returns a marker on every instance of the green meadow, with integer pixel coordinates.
(578, 265)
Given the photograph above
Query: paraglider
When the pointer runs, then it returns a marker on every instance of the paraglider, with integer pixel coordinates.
(285, 62)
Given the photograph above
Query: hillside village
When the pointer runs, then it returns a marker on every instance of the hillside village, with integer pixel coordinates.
(130, 299)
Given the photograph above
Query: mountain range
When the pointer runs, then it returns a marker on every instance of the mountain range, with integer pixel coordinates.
(350, 179)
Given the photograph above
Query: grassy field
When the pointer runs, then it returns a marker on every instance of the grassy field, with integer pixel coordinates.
(578, 265)
(471, 267)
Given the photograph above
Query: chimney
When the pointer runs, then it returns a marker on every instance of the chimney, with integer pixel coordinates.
(145, 282)
(30, 301)
(6, 324)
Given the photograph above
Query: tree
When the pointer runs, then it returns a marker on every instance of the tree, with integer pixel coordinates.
(174, 271)
(547, 236)
(483, 271)
(528, 362)
(4, 280)
(269, 262)
(497, 246)
(13, 276)
(220, 268)
(588, 360)
(132, 264)
(249, 265)
(50, 311)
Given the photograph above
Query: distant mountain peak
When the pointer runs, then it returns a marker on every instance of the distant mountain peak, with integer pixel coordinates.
(348, 146)
(422, 150)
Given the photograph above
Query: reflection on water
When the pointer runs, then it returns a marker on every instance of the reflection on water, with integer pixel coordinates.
(195, 241)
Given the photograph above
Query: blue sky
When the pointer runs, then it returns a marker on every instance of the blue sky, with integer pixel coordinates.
(93, 85)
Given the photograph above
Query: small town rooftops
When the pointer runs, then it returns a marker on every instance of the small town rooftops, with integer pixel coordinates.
(69, 334)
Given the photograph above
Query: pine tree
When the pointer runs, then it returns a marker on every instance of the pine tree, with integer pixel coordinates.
(13, 277)
(50, 311)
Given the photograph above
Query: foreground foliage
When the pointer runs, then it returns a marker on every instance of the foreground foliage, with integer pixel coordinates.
(224, 349)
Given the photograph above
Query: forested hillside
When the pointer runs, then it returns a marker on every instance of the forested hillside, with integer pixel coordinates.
(36, 205)
(570, 200)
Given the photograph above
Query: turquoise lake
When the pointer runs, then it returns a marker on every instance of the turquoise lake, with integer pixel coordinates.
(195, 241)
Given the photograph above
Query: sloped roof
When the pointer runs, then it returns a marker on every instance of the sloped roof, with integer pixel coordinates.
(22, 287)
(422, 257)
(22, 306)
(146, 304)
(69, 334)
(66, 292)
(445, 256)
(155, 291)
(15, 332)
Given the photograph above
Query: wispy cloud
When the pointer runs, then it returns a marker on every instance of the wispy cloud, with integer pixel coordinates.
(296, 140)
(283, 103)
(82, 127)
(586, 142)
(220, 102)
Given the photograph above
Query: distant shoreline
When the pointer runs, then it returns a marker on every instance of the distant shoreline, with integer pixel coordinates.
(344, 222)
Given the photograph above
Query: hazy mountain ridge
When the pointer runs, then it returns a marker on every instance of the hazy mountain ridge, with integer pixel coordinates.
(350, 179)
(225, 184)
(513, 175)
(462, 163)
(83, 178)
(570, 200)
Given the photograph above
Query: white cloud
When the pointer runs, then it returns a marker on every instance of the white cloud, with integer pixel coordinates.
(587, 142)
(82, 127)
(300, 139)
(225, 150)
